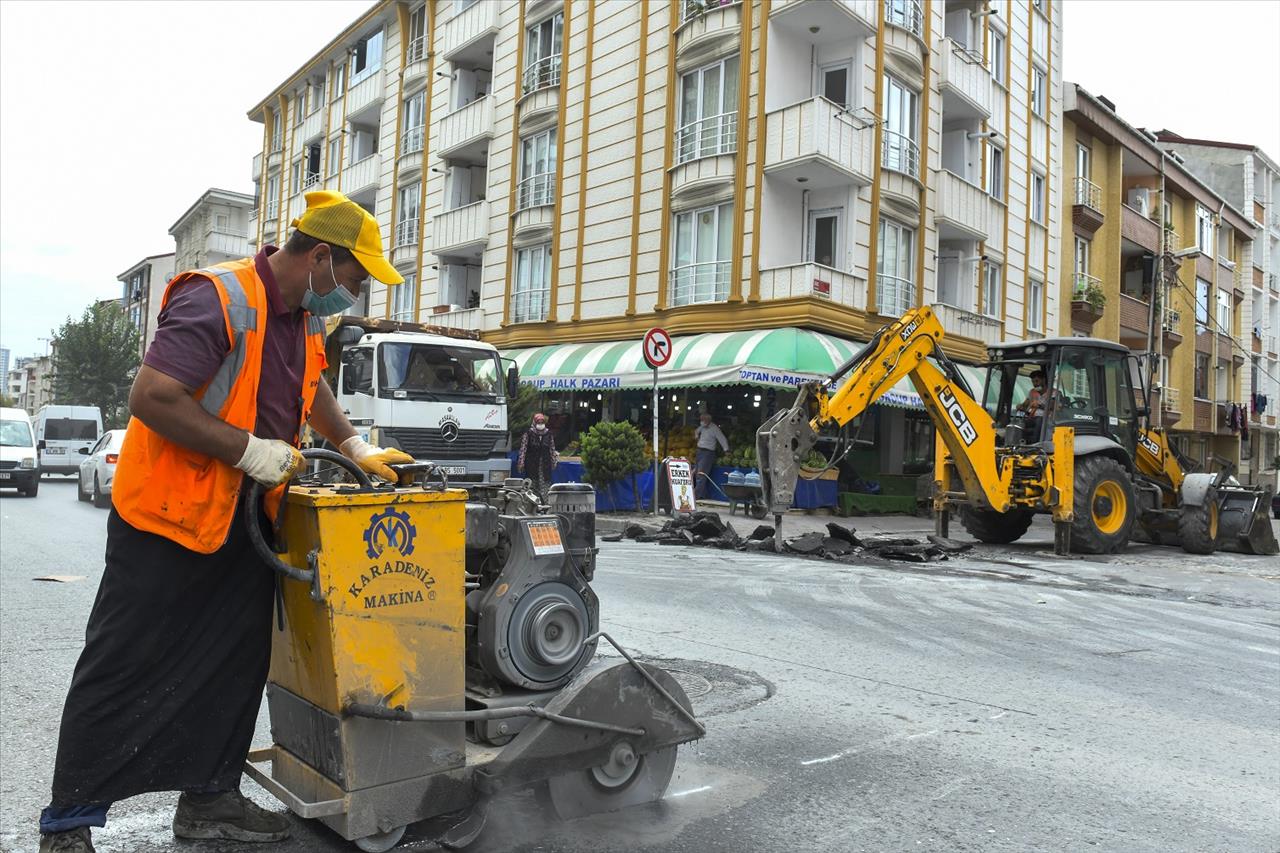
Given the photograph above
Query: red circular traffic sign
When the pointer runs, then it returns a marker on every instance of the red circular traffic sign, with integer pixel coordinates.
(657, 347)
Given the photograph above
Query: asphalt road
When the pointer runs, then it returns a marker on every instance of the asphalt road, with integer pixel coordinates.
(1009, 703)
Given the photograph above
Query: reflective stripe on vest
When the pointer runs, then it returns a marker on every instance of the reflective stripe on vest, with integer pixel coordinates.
(242, 318)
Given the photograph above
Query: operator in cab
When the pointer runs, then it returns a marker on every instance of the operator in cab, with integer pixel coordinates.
(166, 692)
(1034, 406)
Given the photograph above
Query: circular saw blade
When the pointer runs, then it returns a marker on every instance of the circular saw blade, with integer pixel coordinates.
(580, 793)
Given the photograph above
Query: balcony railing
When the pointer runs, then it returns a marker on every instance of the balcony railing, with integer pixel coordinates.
(1081, 285)
(310, 180)
(536, 190)
(406, 232)
(894, 295)
(1273, 281)
(707, 137)
(901, 154)
(690, 9)
(1088, 193)
(1170, 399)
(361, 174)
(465, 126)
(965, 73)
(1172, 240)
(700, 282)
(817, 130)
(461, 228)
(530, 306)
(273, 209)
(1173, 321)
(542, 74)
(413, 140)
(810, 279)
(908, 14)
(234, 245)
(1271, 343)
(417, 50)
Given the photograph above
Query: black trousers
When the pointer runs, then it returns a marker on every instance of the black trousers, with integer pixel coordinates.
(166, 693)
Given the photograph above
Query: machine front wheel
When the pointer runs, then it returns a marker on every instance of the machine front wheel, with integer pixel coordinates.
(625, 780)
(380, 842)
(996, 528)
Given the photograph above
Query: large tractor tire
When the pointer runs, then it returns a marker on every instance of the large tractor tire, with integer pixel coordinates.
(1198, 525)
(1105, 506)
(996, 528)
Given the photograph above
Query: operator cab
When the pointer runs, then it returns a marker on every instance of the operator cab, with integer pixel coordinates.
(1083, 383)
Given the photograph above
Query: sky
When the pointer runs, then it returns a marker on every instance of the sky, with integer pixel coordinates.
(116, 116)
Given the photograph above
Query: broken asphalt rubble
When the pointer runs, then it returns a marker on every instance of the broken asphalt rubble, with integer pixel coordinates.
(839, 543)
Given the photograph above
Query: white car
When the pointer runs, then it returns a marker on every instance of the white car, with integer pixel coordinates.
(19, 462)
(99, 469)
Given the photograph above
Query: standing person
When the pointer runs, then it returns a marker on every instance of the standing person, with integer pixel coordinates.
(708, 437)
(538, 456)
(166, 692)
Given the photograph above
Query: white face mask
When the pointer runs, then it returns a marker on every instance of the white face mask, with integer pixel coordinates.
(540, 427)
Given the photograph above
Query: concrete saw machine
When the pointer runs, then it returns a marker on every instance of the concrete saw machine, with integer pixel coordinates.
(436, 647)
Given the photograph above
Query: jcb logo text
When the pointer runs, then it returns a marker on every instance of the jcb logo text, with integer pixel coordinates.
(956, 412)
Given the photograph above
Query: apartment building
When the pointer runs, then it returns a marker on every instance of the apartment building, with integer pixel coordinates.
(30, 382)
(1159, 264)
(1250, 181)
(564, 173)
(142, 291)
(214, 229)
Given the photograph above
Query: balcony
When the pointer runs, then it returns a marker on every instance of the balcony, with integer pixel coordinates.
(810, 279)
(530, 306)
(1170, 399)
(363, 175)
(904, 35)
(228, 245)
(963, 211)
(836, 21)
(1138, 229)
(900, 154)
(964, 81)
(1259, 277)
(706, 27)
(1255, 344)
(539, 103)
(1172, 326)
(468, 37)
(817, 143)
(1273, 282)
(894, 295)
(542, 74)
(1088, 300)
(465, 133)
(535, 211)
(467, 319)
(415, 62)
(409, 163)
(312, 127)
(978, 327)
(1270, 345)
(1172, 240)
(694, 284)
(366, 93)
(255, 171)
(404, 251)
(1086, 209)
(463, 232)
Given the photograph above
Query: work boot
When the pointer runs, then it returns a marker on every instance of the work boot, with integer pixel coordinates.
(231, 816)
(76, 840)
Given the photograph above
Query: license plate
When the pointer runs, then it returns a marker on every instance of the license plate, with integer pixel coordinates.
(56, 451)
(4, 475)
(454, 470)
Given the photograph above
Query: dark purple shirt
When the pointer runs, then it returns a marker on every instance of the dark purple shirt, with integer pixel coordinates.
(191, 343)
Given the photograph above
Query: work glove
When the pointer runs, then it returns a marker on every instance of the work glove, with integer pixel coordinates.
(270, 461)
(374, 460)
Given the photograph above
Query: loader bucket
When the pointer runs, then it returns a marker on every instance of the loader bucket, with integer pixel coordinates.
(1244, 520)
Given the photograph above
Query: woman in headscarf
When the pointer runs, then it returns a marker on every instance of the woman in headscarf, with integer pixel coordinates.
(538, 456)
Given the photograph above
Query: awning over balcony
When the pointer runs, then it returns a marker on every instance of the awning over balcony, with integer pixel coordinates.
(776, 358)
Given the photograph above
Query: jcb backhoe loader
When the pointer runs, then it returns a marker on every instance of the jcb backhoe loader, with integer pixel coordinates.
(1068, 450)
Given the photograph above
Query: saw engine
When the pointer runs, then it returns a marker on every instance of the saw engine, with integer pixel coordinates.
(529, 604)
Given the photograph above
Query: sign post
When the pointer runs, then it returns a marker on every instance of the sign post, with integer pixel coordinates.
(657, 352)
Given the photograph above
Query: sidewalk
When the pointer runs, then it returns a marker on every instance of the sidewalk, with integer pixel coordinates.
(794, 523)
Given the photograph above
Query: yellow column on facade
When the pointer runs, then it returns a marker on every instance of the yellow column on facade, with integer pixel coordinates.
(923, 165)
(637, 178)
(583, 162)
(553, 308)
(877, 156)
(740, 160)
(432, 12)
(664, 244)
(761, 133)
(515, 169)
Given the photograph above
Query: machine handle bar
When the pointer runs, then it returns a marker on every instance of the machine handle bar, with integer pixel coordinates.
(383, 712)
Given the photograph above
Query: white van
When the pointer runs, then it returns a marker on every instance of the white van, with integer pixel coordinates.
(19, 468)
(62, 431)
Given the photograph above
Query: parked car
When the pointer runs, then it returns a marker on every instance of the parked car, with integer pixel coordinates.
(19, 456)
(99, 469)
(63, 432)
(1275, 505)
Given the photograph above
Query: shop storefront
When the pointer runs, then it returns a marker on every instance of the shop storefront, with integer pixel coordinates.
(741, 378)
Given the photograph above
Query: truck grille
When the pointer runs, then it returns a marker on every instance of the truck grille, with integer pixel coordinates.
(7, 464)
(430, 444)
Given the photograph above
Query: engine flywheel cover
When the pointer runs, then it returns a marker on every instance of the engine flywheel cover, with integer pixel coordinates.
(546, 632)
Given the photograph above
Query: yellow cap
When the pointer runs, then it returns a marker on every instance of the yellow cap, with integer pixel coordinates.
(332, 217)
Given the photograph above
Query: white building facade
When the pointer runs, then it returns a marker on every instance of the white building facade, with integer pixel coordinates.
(557, 171)
(143, 286)
(213, 230)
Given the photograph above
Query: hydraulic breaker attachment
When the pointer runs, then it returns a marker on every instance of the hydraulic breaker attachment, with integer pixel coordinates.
(781, 444)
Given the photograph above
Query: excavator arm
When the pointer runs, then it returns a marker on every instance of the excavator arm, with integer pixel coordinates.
(900, 350)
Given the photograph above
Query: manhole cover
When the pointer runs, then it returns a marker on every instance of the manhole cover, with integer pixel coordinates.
(714, 688)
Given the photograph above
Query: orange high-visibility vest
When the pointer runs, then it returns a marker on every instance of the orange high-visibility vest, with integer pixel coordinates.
(187, 496)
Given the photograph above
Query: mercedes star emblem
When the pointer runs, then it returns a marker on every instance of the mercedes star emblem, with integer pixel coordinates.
(449, 432)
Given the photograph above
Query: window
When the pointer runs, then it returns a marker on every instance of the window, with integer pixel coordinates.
(836, 82)
(1202, 305)
(299, 103)
(273, 196)
(995, 171)
(1204, 230)
(1037, 198)
(277, 138)
(407, 214)
(824, 237)
(1082, 255)
(895, 268)
(542, 54)
(1201, 388)
(708, 120)
(315, 95)
(414, 118)
(1224, 311)
(1082, 279)
(339, 81)
(417, 49)
(221, 222)
(364, 142)
(992, 289)
(295, 176)
(533, 284)
(404, 299)
(335, 155)
(1038, 92)
(997, 56)
(906, 14)
(1035, 304)
(901, 152)
(537, 170)
(704, 243)
(366, 57)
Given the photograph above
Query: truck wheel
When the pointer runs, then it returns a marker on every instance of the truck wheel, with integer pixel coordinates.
(1105, 506)
(31, 490)
(996, 528)
(1198, 525)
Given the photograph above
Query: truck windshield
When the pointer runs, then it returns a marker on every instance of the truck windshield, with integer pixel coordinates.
(14, 434)
(436, 371)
